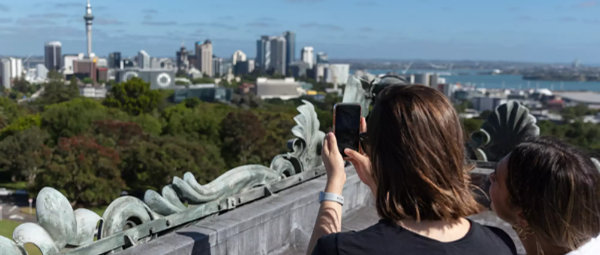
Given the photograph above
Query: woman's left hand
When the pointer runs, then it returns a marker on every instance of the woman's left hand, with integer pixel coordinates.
(334, 165)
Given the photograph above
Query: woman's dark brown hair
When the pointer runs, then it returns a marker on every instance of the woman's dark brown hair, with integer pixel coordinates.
(558, 189)
(417, 154)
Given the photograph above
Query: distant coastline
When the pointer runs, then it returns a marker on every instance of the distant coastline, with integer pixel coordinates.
(581, 78)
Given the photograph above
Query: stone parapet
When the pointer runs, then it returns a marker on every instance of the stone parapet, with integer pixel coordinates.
(283, 223)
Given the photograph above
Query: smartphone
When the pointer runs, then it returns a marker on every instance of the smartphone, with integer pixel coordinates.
(346, 125)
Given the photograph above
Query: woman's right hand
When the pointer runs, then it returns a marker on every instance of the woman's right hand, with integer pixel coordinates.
(361, 161)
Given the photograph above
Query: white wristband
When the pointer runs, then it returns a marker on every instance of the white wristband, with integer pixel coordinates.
(326, 196)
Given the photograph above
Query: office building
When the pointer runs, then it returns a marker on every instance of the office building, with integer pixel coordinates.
(68, 60)
(238, 55)
(299, 69)
(143, 60)
(16, 68)
(204, 92)
(283, 89)
(5, 79)
(91, 91)
(251, 65)
(290, 48)
(271, 54)
(337, 74)
(278, 55)
(322, 58)
(204, 57)
(84, 68)
(114, 60)
(263, 53)
(487, 103)
(158, 78)
(41, 72)
(52, 55)
(243, 67)
(217, 67)
(183, 64)
(422, 78)
(127, 63)
(307, 56)
(320, 71)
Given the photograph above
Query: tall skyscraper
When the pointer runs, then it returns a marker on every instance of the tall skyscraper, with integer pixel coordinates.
(5, 73)
(263, 53)
(88, 27)
(238, 55)
(204, 57)
(143, 60)
(217, 67)
(52, 55)
(278, 54)
(290, 48)
(183, 64)
(114, 60)
(271, 54)
(308, 56)
(16, 68)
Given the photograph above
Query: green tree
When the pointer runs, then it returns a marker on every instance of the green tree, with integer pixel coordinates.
(86, 172)
(23, 86)
(241, 135)
(152, 163)
(20, 124)
(576, 112)
(9, 111)
(56, 91)
(201, 123)
(55, 75)
(72, 118)
(24, 154)
(148, 123)
(133, 96)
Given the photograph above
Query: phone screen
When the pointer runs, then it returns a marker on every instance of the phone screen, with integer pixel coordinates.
(347, 126)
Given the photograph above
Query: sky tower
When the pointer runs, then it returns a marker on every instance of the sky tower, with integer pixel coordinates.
(88, 27)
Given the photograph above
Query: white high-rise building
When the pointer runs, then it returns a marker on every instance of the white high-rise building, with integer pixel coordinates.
(308, 56)
(206, 58)
(143, 59)
(337, 74)
(238, 55)
(5, 73)
(16, 68)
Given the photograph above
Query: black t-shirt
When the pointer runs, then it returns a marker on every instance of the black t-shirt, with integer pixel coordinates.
(386, 237)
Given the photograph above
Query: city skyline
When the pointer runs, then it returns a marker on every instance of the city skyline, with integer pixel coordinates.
(539, 31)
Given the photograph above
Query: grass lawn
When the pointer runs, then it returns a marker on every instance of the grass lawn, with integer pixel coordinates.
(7, 227)
(13, 185)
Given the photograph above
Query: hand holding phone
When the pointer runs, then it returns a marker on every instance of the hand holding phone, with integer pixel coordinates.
(346, 126)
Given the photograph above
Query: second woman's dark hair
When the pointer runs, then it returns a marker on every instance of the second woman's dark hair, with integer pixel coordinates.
(558, 189)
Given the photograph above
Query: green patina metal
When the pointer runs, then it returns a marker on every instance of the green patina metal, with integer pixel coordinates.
(510, 124)
(129, 221)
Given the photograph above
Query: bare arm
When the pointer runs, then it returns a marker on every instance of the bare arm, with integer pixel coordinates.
(329, 219)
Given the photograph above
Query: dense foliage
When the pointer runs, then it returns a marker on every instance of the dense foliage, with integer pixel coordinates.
(135, 139)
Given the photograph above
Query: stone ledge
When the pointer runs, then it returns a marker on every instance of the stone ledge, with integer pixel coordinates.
(282, 223)
(279, 224)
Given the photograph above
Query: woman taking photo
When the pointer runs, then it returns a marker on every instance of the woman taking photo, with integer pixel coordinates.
(415, 166)
(550, 193)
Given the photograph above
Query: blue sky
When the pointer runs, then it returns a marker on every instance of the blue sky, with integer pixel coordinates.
(512, 30)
